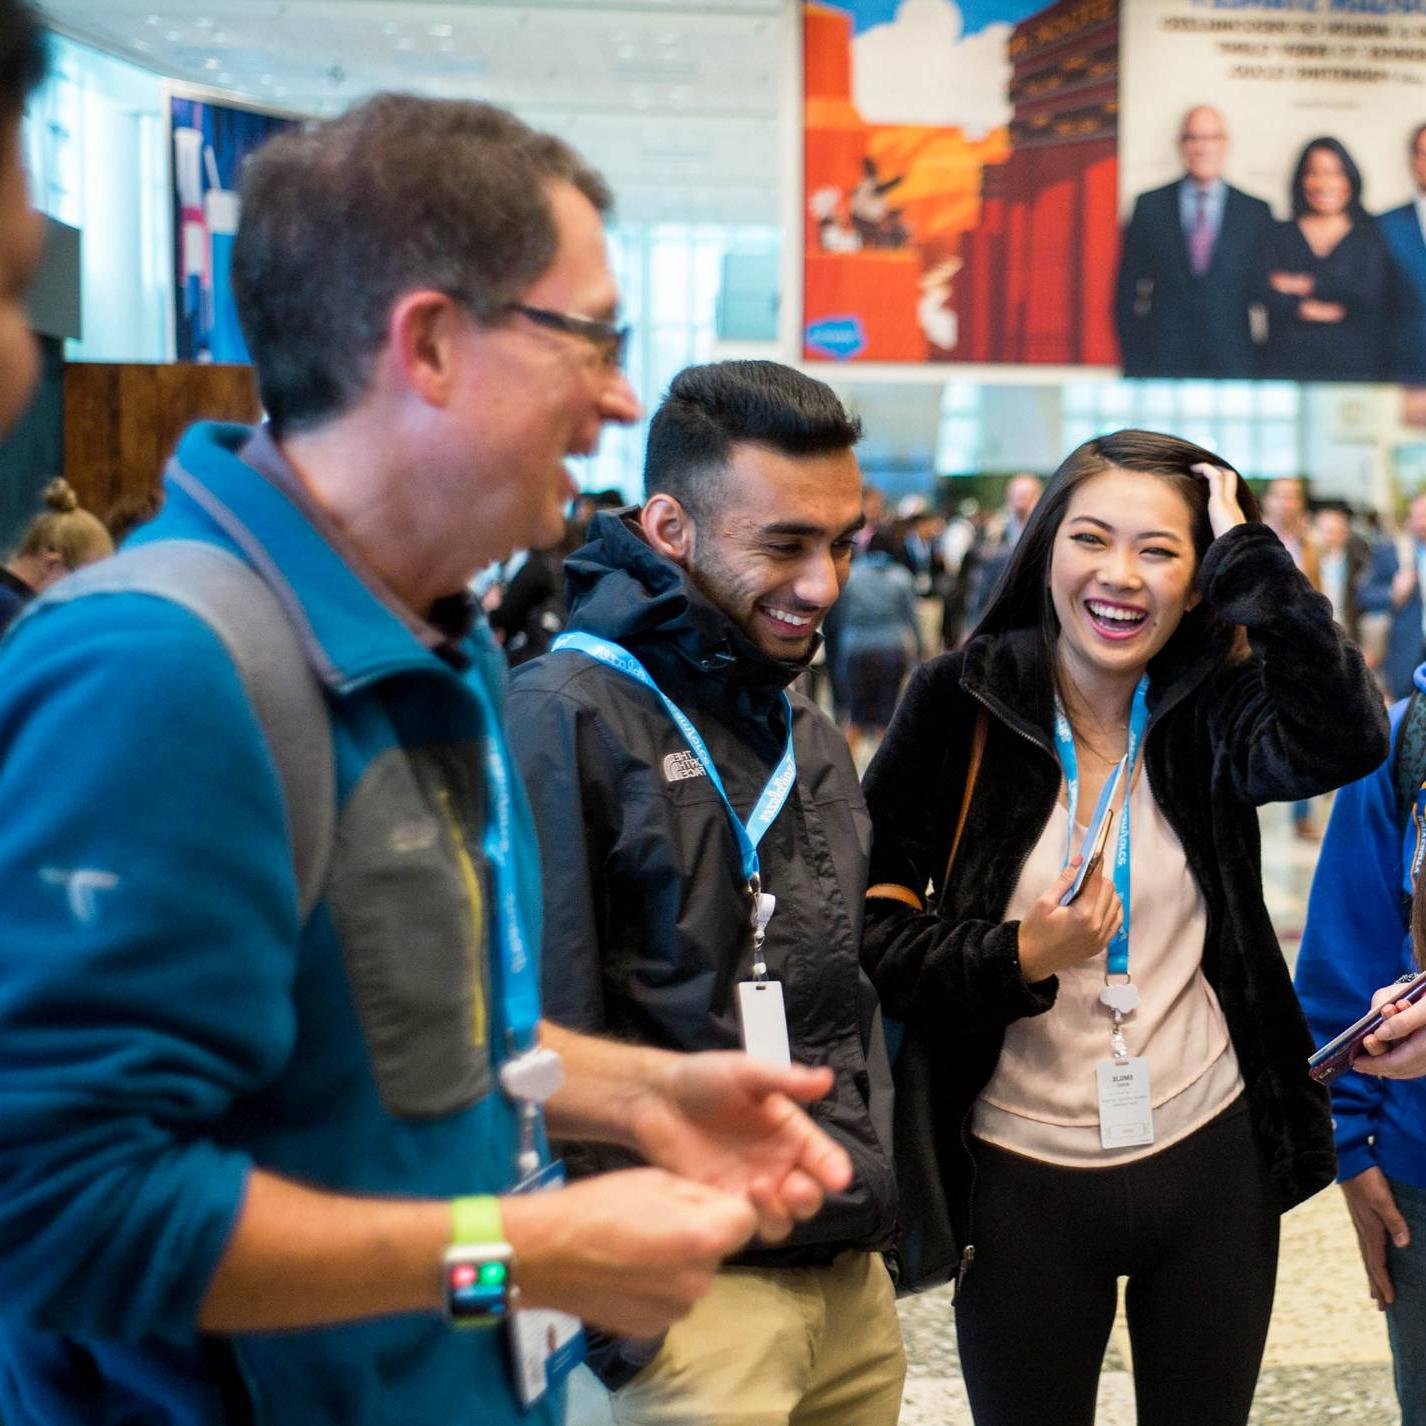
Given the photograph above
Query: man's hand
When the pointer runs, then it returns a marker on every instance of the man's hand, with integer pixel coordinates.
(729, 1120)
(1398, 1049)
(630, 1252)
(1376, 1218)
(719, 1117)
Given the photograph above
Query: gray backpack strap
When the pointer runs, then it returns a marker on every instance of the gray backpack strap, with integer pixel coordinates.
(270, 659)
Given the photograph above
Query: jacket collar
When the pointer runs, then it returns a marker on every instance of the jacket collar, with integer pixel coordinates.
(1008, 672)
(619, 588)
(352, 634)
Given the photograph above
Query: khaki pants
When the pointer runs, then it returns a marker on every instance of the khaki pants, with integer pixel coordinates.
(778, 1347)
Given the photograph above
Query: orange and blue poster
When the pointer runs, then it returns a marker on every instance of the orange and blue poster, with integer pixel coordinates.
(960, 180)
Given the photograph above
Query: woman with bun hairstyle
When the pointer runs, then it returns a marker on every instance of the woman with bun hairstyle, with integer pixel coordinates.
(1100, 1104)
(62, 539)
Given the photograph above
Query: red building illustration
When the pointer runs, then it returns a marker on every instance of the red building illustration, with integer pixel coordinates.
(1037, 276)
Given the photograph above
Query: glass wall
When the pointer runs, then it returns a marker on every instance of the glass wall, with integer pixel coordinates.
(95, 144)
(670, 275)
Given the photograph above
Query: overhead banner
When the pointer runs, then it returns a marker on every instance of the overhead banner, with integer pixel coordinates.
(960, 180)
(210, 143)
(1298, 122)
(1180, 188)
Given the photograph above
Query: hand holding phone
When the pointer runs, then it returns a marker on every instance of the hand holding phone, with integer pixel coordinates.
(1337, 1056)
(1094, 859)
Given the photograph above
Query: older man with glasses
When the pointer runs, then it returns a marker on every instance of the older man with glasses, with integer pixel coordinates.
(276, 1082)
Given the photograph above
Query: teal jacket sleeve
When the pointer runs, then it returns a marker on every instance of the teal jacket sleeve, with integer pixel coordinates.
(1355, 941)
(148, 934)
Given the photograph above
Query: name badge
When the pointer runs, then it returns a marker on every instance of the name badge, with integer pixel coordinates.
(545, 1346)
(764, 1021)
(1126, 1114)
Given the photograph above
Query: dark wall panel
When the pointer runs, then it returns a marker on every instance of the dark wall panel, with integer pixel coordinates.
(34, 450)
(121, 422)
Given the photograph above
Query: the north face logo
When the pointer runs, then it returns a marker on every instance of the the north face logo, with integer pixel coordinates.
(678, 767)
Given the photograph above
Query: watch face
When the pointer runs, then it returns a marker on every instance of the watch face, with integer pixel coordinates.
(478, 1288)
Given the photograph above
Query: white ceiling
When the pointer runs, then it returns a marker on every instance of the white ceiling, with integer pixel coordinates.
(678, 103)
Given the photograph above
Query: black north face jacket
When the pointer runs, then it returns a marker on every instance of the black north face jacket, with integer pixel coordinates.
(647, 927)
(1297, 718)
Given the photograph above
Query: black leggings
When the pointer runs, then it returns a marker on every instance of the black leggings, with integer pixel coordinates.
(1195, 1230)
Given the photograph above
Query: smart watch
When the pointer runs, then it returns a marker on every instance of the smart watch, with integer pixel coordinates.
(478, 1269)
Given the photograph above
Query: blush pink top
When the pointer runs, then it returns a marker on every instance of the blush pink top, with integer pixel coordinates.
(1042, 1100)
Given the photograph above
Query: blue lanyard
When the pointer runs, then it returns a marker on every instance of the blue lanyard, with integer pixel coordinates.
(519, 975)
(1118, 961)
(773, 796)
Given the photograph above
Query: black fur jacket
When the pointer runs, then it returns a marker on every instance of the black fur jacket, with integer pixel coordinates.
(1296, 718)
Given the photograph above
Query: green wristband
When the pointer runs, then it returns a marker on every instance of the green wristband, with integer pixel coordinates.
(477, 1220)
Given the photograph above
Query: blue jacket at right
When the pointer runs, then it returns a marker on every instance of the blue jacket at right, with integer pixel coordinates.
(1357, 940)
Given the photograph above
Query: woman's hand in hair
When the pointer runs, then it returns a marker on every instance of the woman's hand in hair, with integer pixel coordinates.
(1055, 937)
(1224, 512)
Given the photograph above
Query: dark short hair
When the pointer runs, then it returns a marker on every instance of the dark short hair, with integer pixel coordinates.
(24, 56)
(399, 193)
(710, 409)
(1349, 167)
(1022, 598)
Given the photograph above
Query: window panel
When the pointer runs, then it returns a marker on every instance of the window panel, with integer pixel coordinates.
(1239, 445)
(671, 282)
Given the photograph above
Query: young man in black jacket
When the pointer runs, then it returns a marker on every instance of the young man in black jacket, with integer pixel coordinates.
(716, 588)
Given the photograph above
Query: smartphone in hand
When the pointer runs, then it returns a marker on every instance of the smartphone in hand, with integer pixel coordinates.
(1093, 860)
(1096, 836)
(1336, 1057)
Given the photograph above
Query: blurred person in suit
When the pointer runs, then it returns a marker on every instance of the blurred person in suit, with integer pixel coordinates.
(1000, 534)
(1342, 558)
(1404, 229)
(1392, 586)
(1190, 265)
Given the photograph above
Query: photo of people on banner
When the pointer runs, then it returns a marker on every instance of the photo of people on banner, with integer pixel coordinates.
(1273, 170)
(1174, 187)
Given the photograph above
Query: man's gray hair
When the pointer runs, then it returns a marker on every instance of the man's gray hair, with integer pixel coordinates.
(399, 193)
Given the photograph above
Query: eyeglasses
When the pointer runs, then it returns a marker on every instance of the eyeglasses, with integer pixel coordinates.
(610, 338)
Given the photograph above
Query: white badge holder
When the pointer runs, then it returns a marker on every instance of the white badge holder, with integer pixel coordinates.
(545, 1346)
(529, 1080)
(761, 1011)
(1126, 1108)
